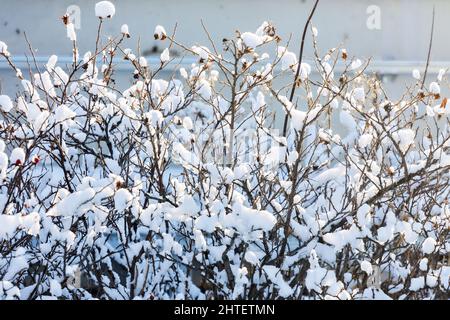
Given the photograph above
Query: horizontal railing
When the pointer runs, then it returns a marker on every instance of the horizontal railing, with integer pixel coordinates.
(394, 67)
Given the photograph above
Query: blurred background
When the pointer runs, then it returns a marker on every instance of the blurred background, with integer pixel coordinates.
(394, 33)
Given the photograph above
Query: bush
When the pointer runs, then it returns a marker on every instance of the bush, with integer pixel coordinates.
(188, 188)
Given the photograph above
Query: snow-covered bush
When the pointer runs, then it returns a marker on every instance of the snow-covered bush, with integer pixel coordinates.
(187, 187)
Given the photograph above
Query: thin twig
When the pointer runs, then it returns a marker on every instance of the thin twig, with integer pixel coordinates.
(429, 51)
(300, 57)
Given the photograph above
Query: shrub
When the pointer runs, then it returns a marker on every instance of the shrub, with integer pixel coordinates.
(187, 187)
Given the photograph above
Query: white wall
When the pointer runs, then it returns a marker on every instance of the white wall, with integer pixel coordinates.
(404, 34)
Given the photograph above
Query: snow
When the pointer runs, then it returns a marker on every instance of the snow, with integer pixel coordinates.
(165, 56)
(441, 74)
(204, 89)
(17, 156)
(246, 219)
(104, 9)
(366, 266)
(444, 276)
(44, 82)
(183, 73)
(22, 105)
(251, 40)
(298, 119)
(359, 94)
(200, 241)
(305, 71)
(143, 62)
(288, 59)
(5, 103)
(63, 113)
(18, 264)
(318, 277)
(423, 264)
(208, 224)
(160, 33)
(328, 175)
(156, 117)
(348, 121)
(435, 88)
(31, 223)
(187, 123)
(428, 245)
(3, 164)
(385, 234)
(365, 140)
(416, 74)
(167, 243)
(71, 32)
(60, 77)
(356, 64)
(405, 138)
(341, 238)
(275, 276)
(214, 75)
(363, 215)
(51, 63)
(241, 171)
(203, 52)
(40, 121)
(374, 294)
(252, 258)
(122, 199)
(417, 283)
(55, 288)
(8, 225)
(431, 281)
(73, 203)
(124, 30)
(3, 48)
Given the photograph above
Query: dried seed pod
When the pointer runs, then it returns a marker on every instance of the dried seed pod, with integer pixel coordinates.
(65, 19)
